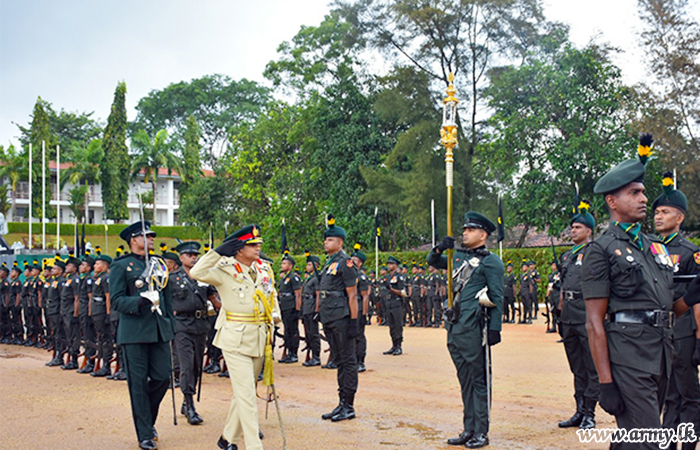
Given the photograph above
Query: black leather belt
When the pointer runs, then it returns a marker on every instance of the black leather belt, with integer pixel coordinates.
(98, 299)
(572, 295)
(199, 314)
(331, 294)
(287, 294)
(657, 318)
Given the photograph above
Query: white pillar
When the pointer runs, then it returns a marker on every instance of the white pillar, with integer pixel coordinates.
(171, 202)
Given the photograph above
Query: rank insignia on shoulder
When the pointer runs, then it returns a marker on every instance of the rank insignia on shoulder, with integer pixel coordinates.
(618, 252)
(128, 268)
(696, 256)
(350, 263)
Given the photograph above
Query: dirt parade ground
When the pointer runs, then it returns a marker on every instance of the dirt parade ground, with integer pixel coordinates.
(408, 401)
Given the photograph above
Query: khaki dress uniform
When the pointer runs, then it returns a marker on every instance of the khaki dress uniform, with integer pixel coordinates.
(242, 333)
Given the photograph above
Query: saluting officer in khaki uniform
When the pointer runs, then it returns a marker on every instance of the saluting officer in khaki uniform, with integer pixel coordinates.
(248, 298)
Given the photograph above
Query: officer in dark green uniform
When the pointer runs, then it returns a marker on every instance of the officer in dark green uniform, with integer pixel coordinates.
(395, 285)
(70, 305)
(191, 325)
(683, 397)
(629, 278)
(53, 310)
(99, 310)
(145, 327)
(308, 309)
(338, 310)
(573, 322)
(363, 287)
(86, 324)
(289, 291)
(509, 294)
(474, 323)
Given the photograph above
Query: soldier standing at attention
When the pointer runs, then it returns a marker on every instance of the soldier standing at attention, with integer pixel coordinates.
(552, 295)
(289, 290)
(395, 284)
(683, 397)
(526, 294)
(191, 325)
(246, 286)
(310, 316)
(509, 294)
(70, 308)
(478, 306)
(16, 287)
(99, 309)
(534, 282)
(384, 295)
(363, 288)
(46, 277)
(53, 311)
(145, 327)
(338, 310)
(33, 310)
(4, 298)
(86, 324)
(573, 323)
(629, 278)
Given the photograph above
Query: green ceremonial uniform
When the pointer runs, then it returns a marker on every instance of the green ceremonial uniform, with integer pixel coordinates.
(145, 338)
(464, 336)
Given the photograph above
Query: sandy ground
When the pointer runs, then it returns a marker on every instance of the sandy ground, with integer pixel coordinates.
(408, 401)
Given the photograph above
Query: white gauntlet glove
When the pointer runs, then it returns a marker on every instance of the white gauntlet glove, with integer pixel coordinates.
(154, 298)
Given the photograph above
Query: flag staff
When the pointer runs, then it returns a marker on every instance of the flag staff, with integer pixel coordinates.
(448, 138)
(377, 232)
(31, 213)
(58, 197)
(43, 194)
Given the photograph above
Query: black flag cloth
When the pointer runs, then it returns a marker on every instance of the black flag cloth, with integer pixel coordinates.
(501, 228)
(285, 248)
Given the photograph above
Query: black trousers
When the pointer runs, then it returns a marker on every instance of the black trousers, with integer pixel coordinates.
(527, 307)
(72, 326)
(87, 328)
(16, 322)
(148, 377)
(683, 397)
(4, 322)
(361, 342)
(394, 315)
(59, 334)
(313, 336)
(213, 351)
(578, 353)
(509, 307)
(408, 313)
(345, 357)
(290, 318)
(30, 320)
(103, 331)
(190, 352)
(436, 310)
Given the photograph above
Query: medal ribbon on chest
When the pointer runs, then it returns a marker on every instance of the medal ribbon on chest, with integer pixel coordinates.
(661, 255)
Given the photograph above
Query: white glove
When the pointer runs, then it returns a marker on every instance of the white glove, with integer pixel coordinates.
(154, 298)
(484, 299)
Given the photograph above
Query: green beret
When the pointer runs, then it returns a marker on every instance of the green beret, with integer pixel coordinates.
(172, 257)
(288, 257)
(89, 260)
(136, 229)
(671, 196)
(312, 259)
(74, 261)
(361, 256)
(60, 263)
(510, 264)
(473, 219)
(188, 247)
(4, 268)
(582, 215)
(628, 171)
(333, 230)
(383, 268)
(104, 258)
(265, 258)
(250, 234)
(393, 260)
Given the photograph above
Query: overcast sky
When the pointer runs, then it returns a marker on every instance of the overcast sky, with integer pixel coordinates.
(73, 53)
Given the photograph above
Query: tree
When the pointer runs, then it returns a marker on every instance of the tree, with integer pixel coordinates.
(216, 102)
(191, 165)
(84, 167)
(13, 165)
(116, 164)
(40, 132)
(151, 155)
(218, 193)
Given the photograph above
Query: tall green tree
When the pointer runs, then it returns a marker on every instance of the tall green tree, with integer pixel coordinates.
(84, 168)
(217, 102)
(191, 163)
(151, 155)
(116, 165)
(13, 165)
(40, 133)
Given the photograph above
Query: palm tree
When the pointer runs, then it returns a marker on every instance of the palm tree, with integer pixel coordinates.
(150, 155)
(13, 164)
(85, 167)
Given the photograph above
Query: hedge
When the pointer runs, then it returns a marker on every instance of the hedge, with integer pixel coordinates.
(68, 229)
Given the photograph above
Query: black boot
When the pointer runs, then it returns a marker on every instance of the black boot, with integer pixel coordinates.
(462, 439)
(103, 372)
(588, 420)
(361, 367)
(347, 411)
(391, 350)
(89, 367)
(576, 419)
(72, 365)
(313, 362)
(224, 374)
(193, 418)
(477, 441)
(397, 350)
(215, 368)
(336, 410)
(226, 445)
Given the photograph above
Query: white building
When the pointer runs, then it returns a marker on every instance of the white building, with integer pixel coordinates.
(167, 201)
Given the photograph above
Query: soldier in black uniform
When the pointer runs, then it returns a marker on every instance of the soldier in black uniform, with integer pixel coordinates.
(363, 288)
(552, 296)
(33, 310)
(308, 309)
(395, 285)
(70, 307)
(100, 308)
(338, 310)
(509, 294)
(526, 294)
(53, 311)
(4, 298)
(46, 329)
(289, 291)
(432, 288)
(683, 397)
(384, 295)
(23, 310)
(87, 326)
(145, 328)
(191, 325)
(629, 279)
(534, 282)
(573, 323)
